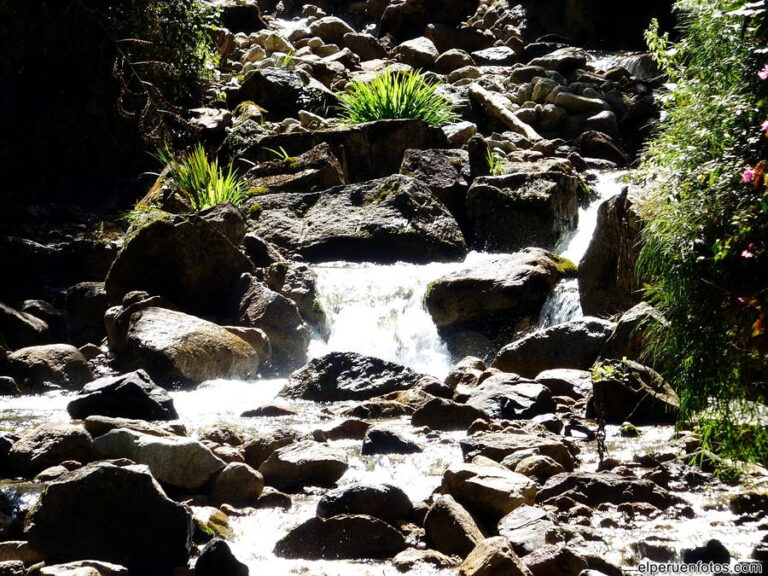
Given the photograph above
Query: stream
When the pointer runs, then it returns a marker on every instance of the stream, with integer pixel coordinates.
(378, 310)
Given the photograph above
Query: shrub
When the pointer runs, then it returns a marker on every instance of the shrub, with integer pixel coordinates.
(705, 247)
(392, 95)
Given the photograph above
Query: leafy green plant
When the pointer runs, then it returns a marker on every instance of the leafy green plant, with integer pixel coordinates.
(495, 162)
(392, 95)
(201, 179)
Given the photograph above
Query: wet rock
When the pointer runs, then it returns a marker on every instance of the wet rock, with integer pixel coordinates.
(443, 414)
(176, 348)
(591, 489)
(52, 365)
(574, 344)
(298, 283)
(383, 441)
(450, 528)
(132, 395)
(278, 317)
(8, 386)
(305, 463)
(185, 259)
(499, 445)
(384, 220)
(507, 396)
(493, 556)
(80, 517)
(47, 445)
(352, 429)
(86, 303)
(269, 411)
(528, 528)
(177, 461)
(315, 169)
(238, 485)
(564, 60)
(259, 447)
(282, 92)
(488, 488)
(628, 391)
(607, 279)
(84, 568)
(384, 501)
(217, 559)
(342, 376)
(271, 498)
(594, 144)
(410, 559)
(554, 559)
(19, 329)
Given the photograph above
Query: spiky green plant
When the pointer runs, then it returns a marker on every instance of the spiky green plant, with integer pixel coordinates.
(495, 162)
(392, 95)
(201, 179)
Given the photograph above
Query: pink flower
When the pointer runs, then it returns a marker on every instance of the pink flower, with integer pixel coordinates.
(747, 254)
(748, 175)
(764, 126)
(763, 74)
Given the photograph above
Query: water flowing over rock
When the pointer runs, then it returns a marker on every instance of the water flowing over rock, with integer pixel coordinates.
(348, 376)
(105, 512)
(385, 220)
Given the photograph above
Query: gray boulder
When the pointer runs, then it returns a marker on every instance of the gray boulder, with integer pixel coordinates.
(444, 414)
(528, 528)
(37, 368)
(507, 396)
(305, 463)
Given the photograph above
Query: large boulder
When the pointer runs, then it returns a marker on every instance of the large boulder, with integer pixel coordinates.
(629, 336)
(305, 463)
(186, 259)
(48, 445)
(216, 559)
(283, 92)
(499, 445)
(507, 396)
(86, 303)
(105, 512)
(384, 220)
(340, 537)
(408, 19)
(444, 414)
(491, 557)
(237, 485)
(574, 344)
(607, 279)
(315, 169)
(450, 528)
(298, 283)
(178, 461)
(176, 348)
(595, 488)
(132, 395)
(528, 528)
(49, 366)
(340, 376)
(19, 329)
(383, 501)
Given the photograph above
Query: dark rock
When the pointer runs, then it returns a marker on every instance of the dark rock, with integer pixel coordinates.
(52, 365)
(298, 283)
(625, 391)
(506, 396)
(384, 220)
(383, 501)
(283, 92)
(528, 528)
(567, 382)
(305, 463)
(365, 46)
(227, 221)
(493, 556)
(132, 395)
(592, 489)
(467, 38)
(216, 559)
(495, 56)
(443, 414)
(55, 318)
(554, 559)
(450, 528)
(627, 339)
(594, 144)
(238, 485)
(86, 303)
(352, 429)
(316, 169)
(573, 344)
(262, 445)
(340, 537)
(342, 376)
(607, 279)
(100, 425)
(79, 516)
(186, 260)
(47, 445)
(269, 411)
(408, 19)
(8, 386)
(261, 253)
(383, 441)
(20, 329)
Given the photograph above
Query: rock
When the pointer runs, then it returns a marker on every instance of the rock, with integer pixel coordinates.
(592, 489)
(340, 376)
(305, 463)
(515, 211)
(222, 432)
(627, 339)
(574, 344)
(19, 551)
(412, 558)
(185, 259)
(384, 220)
(566, 382)
(451, 60)
(499, 109)
(418, 53)
(384, 501)
(450, 528)
(488, 488)
(259, 447)
(383, 441)
(316, 169)
(342, 537)
(607, 280)
(237, 16)
(539, 467)
(100, 425)
(352, 429)
(20, 329)
(238, 485)
(367, 47)
(278, 317)
(176, 348)
(408, 19)
(466, 372)
(528, 528)
(495, 56)
(216, 559)
(282, 93)
(298, 283)
(625, 391)
(564, 60)
(84, 568)
(132, 395)
(12, 568)
(712, 552)
(331, 29)
(181, 462)
(576, 104)
(52, 365)
(47, 445)
(8, 386)
(80, 516)
(554, 559)
(506, 396)
(594, 144)
(443, 414)
(499, 445)
(491, 557)
(227, 221)
(261, 253)
(86, 303)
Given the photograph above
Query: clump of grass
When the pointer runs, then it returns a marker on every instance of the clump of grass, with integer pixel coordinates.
(201, 179)
(495, 162)
(393, 95)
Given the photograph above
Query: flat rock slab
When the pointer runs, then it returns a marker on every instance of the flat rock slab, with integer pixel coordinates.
(593, 488)
(498, 445)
